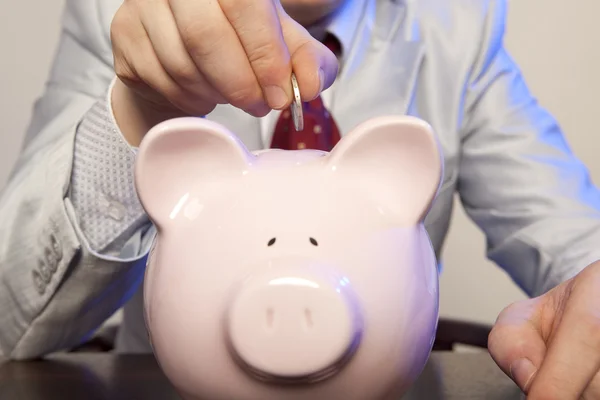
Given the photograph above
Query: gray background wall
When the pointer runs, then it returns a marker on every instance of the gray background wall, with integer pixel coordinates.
(553, 40)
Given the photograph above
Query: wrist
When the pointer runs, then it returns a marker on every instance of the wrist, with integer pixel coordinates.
(134, 115)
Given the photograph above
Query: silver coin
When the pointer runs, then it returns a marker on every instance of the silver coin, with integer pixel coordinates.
(296, 107)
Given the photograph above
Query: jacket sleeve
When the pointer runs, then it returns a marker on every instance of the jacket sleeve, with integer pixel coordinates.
(518, 179)
(56, 289)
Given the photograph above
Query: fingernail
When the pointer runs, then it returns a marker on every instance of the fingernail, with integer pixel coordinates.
(276, 97)
(259, 110)
(522, 372)
(321, 79)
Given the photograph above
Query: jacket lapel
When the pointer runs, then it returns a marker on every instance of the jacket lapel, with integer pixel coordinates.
(381, 71)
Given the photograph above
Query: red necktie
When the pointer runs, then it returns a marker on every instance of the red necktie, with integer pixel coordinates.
(320, 130)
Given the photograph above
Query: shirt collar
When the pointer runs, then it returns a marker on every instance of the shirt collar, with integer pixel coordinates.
(342, 24)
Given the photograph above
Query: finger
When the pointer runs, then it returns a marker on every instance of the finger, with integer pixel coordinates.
(217, 52)
(259, 30)
(137, 65)
(315, 66)
(516, 343)
(159, 23)
(573, 356)
(593, 390)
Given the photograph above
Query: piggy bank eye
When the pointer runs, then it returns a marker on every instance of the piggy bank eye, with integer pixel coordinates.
(271, 242)
(314, 242)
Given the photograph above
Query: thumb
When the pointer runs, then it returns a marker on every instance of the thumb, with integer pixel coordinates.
(516, 343)
(315, 66)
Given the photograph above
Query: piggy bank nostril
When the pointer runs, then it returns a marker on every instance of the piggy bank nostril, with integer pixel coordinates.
(308, 318)
(314, 241)
(271, 242)
(270, 318)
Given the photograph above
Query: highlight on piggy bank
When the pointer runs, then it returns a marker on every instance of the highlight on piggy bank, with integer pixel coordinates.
(290, 274)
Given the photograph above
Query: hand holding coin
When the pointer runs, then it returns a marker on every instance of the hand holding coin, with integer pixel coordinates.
(180, 57)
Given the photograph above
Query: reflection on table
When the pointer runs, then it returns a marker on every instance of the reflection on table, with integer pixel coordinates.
(104, 376)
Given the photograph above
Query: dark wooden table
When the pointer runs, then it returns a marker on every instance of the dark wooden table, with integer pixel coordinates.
(97, 376)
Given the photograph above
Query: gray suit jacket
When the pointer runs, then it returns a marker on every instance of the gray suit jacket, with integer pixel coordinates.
(440, 60)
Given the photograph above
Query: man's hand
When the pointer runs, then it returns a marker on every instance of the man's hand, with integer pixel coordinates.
(550, 345)
(182, 57)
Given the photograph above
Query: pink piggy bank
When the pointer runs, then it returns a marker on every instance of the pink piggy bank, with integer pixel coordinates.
(281, 275)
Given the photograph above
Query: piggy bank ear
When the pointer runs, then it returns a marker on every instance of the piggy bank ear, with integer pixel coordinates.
(182, 157)
(396, 161)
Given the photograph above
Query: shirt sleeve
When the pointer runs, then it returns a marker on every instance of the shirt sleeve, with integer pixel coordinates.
(102, 188)
(518, 179)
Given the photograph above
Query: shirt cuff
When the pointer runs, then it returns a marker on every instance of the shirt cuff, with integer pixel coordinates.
(102, 190)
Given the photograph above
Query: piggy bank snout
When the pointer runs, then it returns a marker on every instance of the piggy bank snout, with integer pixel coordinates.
(294, 324)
